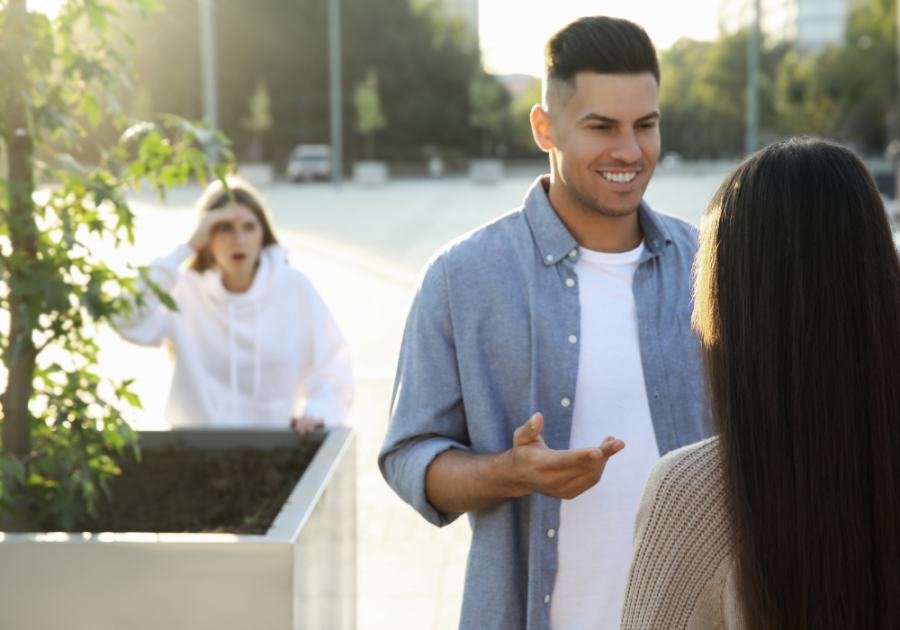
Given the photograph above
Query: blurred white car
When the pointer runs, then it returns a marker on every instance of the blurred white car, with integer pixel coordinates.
(309, 162)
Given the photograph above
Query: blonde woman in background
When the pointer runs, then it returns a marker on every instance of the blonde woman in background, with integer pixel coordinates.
(254, 343)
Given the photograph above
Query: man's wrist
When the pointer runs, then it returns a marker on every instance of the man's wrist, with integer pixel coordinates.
(506, 478)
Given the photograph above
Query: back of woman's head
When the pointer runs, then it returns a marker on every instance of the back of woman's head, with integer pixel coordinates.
(798, 308)
(239, 191)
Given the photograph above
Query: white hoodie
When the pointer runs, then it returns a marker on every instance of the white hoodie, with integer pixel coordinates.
(251, 358)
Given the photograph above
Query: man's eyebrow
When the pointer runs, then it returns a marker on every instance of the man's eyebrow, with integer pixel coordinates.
(606, 119)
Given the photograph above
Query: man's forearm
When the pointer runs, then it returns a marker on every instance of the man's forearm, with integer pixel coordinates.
(459, 481)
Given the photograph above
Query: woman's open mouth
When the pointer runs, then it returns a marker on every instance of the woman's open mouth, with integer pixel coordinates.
(239, 258)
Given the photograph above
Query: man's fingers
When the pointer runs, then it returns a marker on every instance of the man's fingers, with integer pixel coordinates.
(610, 446)
(529, 431)
(574, 458)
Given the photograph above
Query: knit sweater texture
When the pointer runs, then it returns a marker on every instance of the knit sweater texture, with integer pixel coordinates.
(682, 571)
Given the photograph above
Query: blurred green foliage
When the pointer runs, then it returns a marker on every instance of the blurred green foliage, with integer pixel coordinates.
(846, 92)
(60, 418)
(488, 110)
(369, 116)
(424, 63)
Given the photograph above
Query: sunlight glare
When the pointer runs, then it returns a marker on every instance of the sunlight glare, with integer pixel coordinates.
(50, 8)
(513, 35)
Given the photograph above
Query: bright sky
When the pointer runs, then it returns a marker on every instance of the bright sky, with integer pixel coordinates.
(48, 7)
(513, 32)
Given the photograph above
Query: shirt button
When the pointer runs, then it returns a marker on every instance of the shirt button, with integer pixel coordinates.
(549, 257)
(573, 253)
(551, 533)
(565, 402)
(573, 339)
(546, 599)
(570, 283)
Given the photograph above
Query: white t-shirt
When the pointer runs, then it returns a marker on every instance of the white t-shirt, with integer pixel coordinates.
(596, 527)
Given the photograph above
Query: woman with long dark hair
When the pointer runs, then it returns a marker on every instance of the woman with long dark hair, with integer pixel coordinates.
(789, 519)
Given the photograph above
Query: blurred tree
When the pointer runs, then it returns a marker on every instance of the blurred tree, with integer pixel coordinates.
(488, 109)
(259, 119)
(521, 136)
(59, 418)
(703, 95)
(847, 91)
(425, 64)
(369, 117)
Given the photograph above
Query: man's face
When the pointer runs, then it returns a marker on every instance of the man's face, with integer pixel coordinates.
(604, 139)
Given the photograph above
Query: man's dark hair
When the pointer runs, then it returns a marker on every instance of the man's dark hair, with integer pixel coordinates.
(600, 44)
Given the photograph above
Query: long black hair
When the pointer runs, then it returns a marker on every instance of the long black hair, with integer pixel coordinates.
(798, 308)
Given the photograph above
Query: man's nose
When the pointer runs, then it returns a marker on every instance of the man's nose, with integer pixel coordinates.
(627, 149)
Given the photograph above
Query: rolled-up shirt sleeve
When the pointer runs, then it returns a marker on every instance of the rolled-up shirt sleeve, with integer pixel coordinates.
(427, 414)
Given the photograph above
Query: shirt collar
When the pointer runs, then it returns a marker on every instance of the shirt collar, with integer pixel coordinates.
(554, 242)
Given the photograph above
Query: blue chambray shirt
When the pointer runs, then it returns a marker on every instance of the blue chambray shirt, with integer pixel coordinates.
(486, 346)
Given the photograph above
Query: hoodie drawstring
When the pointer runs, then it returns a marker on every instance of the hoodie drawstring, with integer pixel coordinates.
(256, 358)
(232, 356)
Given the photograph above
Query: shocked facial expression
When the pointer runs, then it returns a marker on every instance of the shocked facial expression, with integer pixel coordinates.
(235, 243)
(604, 138)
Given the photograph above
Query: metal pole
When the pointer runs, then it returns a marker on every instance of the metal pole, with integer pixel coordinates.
(752, 140)
(208, 62)
(334, 47)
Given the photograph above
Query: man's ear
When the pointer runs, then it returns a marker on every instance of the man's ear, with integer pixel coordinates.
(540, 128)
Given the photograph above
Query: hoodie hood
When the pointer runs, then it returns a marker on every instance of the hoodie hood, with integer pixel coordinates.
(273, 260)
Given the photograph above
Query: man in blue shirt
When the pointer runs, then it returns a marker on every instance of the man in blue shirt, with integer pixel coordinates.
(534, 339)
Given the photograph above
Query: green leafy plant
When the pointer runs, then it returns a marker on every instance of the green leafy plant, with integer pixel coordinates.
(369, 116)
(259, 119)
(60, 418)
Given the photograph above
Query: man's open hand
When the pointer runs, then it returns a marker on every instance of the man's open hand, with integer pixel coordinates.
(563, 474)
(459, 481)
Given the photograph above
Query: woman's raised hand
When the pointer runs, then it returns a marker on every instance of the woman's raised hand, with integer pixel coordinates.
(306, 425)
(200, 238)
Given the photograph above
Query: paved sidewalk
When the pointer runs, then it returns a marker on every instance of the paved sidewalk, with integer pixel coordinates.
(362, 248)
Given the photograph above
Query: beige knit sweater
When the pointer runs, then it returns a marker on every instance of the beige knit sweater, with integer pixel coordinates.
(681, 575)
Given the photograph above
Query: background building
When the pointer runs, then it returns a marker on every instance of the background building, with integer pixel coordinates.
(811, 24)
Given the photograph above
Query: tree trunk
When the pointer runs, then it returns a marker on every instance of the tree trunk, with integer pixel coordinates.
(256, 147)
(20, 354)
(486, 146)
(370, 146)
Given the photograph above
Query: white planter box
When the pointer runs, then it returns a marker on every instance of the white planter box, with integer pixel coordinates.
(300, 574)
(257, 174)
(370, 173)
(485, 171)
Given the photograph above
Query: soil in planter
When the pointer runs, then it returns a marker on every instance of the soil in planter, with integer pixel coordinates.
(187, 490)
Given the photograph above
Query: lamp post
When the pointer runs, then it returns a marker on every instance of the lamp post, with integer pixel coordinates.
(208, 62)
(751, 142)
(334, 48)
